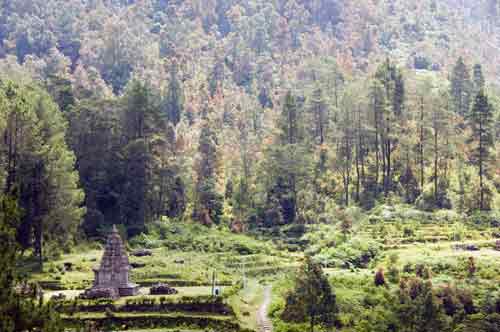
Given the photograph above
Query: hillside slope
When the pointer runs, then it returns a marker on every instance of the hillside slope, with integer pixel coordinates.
(246, 43)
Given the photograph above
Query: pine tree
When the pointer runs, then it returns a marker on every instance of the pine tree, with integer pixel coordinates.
(41, 167)
(290, 124)
(391, 78)
(94, 134)
(242, 200)
(174, 100)
(361, 152)
(209, 202)
(481, 121)
(141, 119)
(345, 145)
(286, 162)
(319, 112)
(19, 313)
(379, 109)
(216, 78)
(419, 309)
(61, 91)
(478, 79)
(440, 131)
(312, 298)
(461, 86)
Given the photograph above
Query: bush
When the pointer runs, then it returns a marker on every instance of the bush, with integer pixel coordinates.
(408, 231)
(491, 303)
(393, 274)
(295, 230)
(427, 200)
(456, 300)
(357, 252)
(379, 278)
(423, 271)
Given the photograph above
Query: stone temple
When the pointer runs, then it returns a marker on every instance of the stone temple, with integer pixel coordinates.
(112, 276)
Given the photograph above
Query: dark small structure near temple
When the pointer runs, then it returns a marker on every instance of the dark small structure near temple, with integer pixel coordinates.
(162, 289)
(112, 277)
(142, 253)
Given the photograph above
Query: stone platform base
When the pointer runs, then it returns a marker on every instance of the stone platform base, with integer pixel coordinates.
(111, 292)
(129, 290)
(101, 293)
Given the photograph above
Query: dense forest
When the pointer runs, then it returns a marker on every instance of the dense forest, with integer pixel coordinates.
(243, 114)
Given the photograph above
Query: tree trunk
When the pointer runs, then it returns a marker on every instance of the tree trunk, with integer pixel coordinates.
(384, 164)
(435, 165)
(39, 243)
(357, 175)
(11, 141)
(359, 153)
(38, 213)
(348, 165)
(421, 144)
(388, 164)
(481, 202)
(377, 154)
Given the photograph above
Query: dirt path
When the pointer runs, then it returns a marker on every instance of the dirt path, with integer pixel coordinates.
(264, 323)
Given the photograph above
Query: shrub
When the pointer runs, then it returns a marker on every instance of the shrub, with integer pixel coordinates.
(408, 268)
(393, 274)
(423, 271)
(408, 231)
(357, 252)
(456, 300)
(471, 267)
(491, 303)
(427, 200)
(379, 278)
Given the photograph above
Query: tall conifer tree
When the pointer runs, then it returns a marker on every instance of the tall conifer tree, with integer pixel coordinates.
(461, 88)
(481, 121)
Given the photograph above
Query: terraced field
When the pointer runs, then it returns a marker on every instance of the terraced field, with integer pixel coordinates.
(190, 272)
(443, 248)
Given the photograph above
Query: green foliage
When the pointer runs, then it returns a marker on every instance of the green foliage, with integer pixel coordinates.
(419, 308)
(287, 166)
(428, 200)
(461, 88)
(284, 103)
(480, 323)
(174, 99)
(39, 166)
(356, 252)
(482, 134)
(194, 237)
(312, 299)
(209, 202)
(97, 123)
(19, 312)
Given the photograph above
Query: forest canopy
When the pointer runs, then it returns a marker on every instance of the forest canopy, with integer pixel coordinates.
(332, 133)
(242, 113)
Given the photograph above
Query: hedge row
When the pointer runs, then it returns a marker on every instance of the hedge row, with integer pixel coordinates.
(214, 306)
(151, 321)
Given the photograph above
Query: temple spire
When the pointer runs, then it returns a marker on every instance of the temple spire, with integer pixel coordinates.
(112, 276)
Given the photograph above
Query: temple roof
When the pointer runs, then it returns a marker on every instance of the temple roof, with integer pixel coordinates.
(115, 257)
